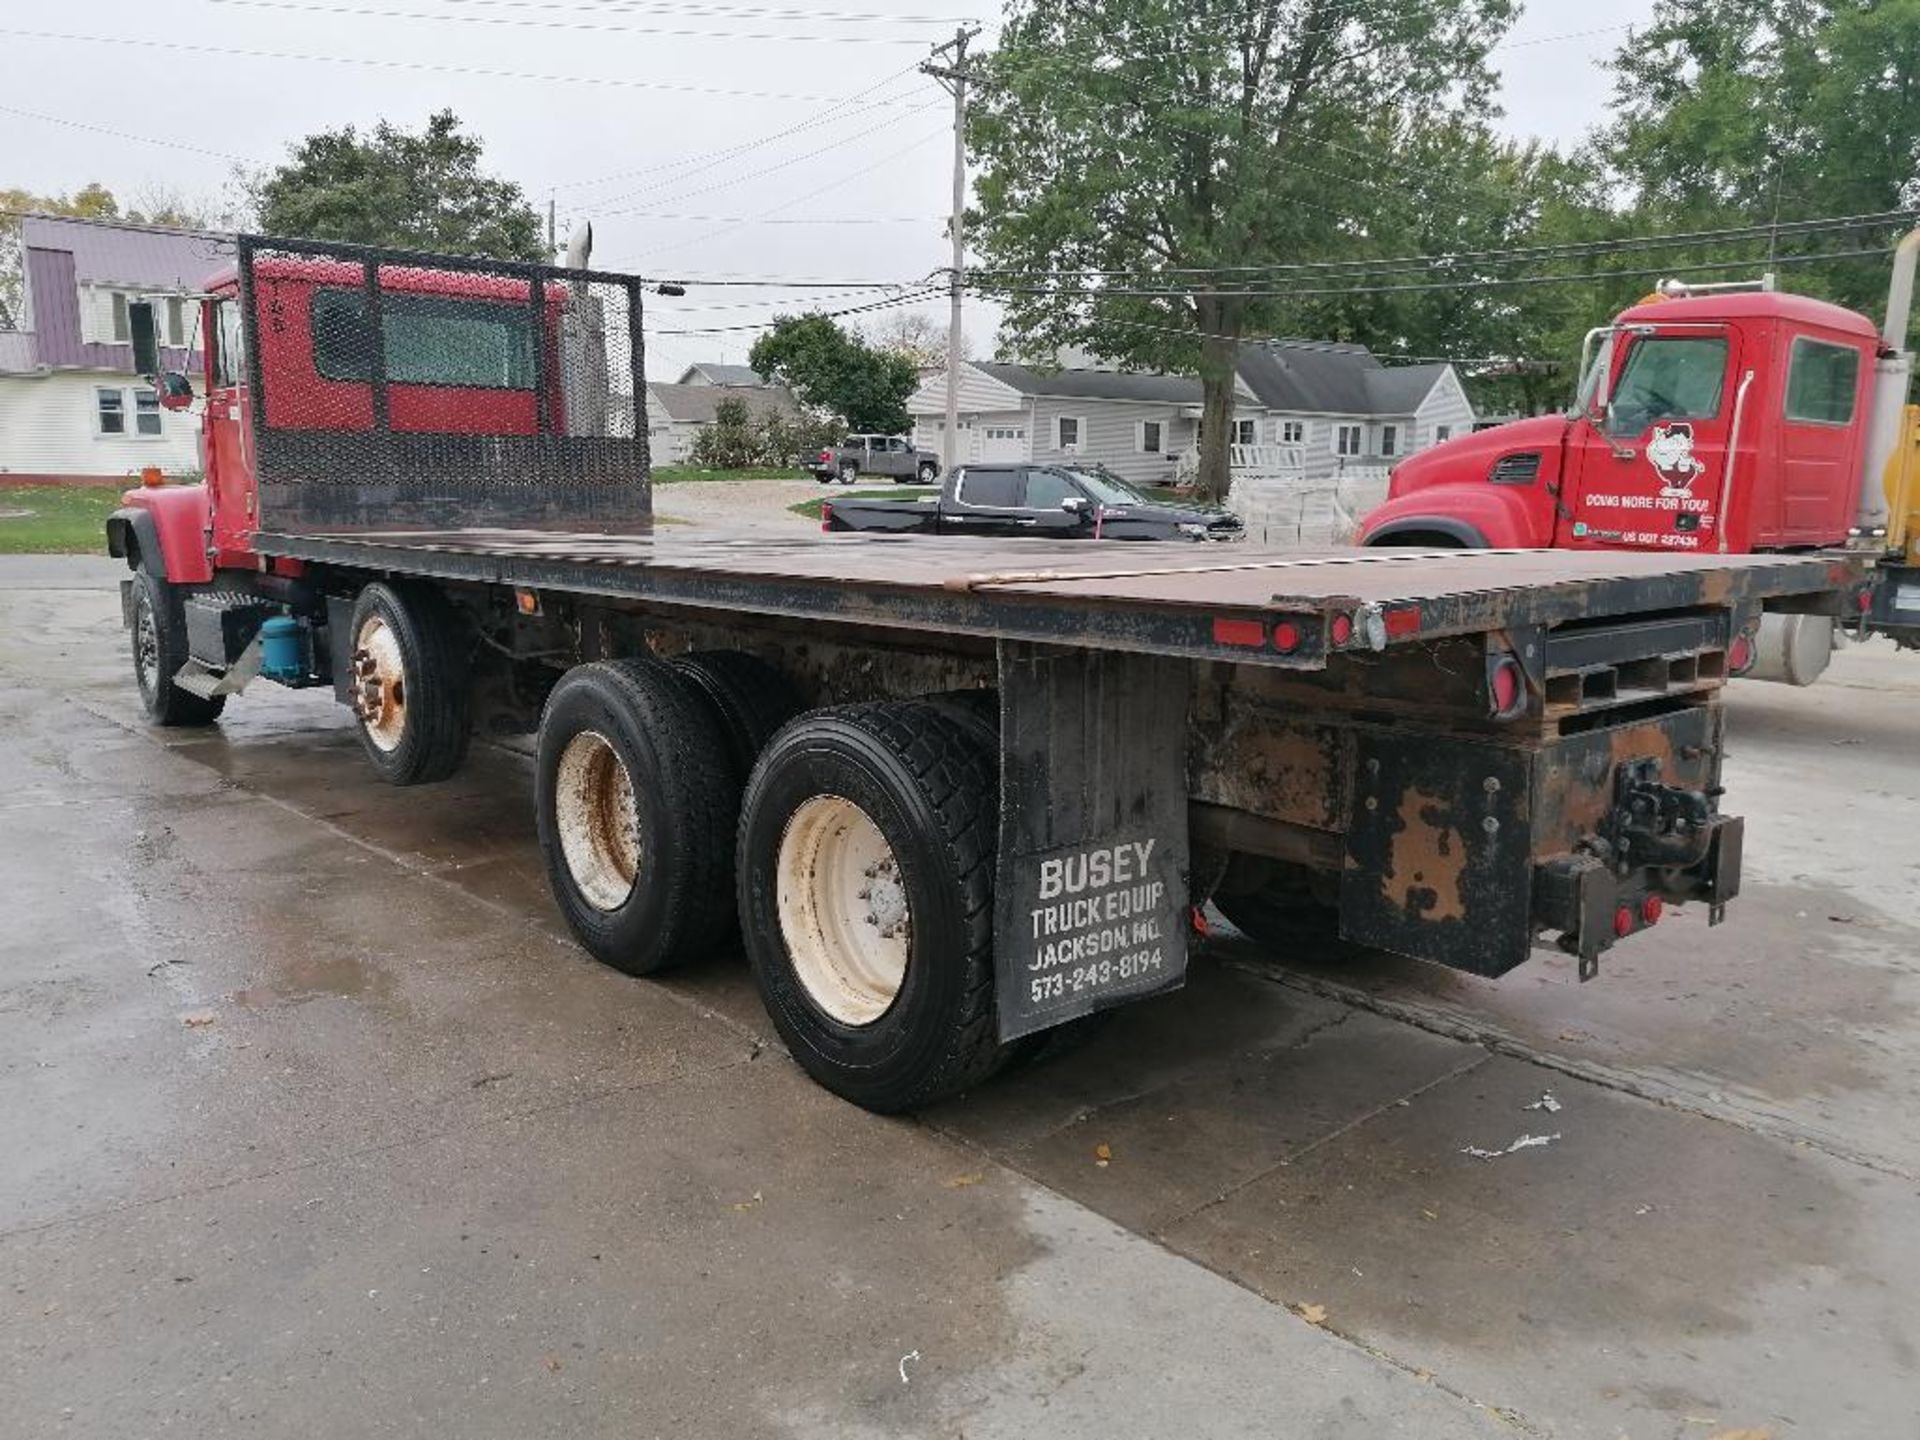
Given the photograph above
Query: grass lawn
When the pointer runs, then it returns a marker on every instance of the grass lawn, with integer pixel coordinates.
(810, 509)
(59, 519)
(687, 474)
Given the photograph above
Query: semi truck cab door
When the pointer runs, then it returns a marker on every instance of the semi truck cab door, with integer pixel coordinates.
(1646, 471)
(229, 448)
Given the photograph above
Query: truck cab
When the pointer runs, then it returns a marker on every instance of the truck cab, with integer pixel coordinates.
(1728, 422)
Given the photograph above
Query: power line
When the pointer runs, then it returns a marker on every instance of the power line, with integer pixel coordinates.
(741, 12)
(831, 115)
(421, 67)
(1478, 283)
(126, 135)
(913, 299)
(1571, 250)
(369, 12)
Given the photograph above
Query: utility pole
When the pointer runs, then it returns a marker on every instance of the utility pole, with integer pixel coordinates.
(955, 76)
(553, 244)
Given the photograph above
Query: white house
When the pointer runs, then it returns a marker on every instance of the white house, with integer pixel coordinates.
(71, 408)
(1323, 409)
(676, 414)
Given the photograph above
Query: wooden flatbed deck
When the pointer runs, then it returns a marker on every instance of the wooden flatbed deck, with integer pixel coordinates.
(1167, 599)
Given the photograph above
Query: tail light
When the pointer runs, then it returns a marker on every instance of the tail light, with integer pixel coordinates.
(1741, 654)
(826, 515)
(826, 457)
(1506, 687)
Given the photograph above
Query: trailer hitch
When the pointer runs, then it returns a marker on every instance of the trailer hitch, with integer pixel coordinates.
(1654, 823)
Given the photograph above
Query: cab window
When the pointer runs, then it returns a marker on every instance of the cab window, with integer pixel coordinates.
(989, 487)
(430, 340)
(1047, 488)
(1821, 382)
(1668, 377)
(229, 354)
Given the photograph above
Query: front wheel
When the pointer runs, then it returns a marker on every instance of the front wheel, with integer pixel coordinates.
(866, 900)
(929, 473)
(159, 650)
(408, 688)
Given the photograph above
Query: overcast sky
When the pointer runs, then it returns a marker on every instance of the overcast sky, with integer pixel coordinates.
(654, 118)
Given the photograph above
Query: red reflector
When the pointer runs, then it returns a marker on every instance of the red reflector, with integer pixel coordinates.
(1864, 600)
(1286, 636)
(1404, 621)
(1506, 687)
(826, 516)
(1740, 655)
(1239, 632)
(1342, 629)
(1652, 908)
(1623, 922)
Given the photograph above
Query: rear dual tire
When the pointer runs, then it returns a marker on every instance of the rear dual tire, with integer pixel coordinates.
(866, 858)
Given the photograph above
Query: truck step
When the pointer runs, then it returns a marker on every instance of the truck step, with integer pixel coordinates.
(196, 677)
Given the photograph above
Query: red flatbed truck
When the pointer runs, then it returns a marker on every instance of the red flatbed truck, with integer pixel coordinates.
(952, 794)
(1711, 419)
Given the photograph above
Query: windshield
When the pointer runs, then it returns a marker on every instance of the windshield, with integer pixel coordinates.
(1668, 377)
(1108, 488)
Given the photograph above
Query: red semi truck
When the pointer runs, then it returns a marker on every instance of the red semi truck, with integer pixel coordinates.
(1715, 419)
(949, 794)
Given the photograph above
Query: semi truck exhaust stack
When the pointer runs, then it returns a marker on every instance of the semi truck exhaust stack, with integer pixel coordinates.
(1891, 375)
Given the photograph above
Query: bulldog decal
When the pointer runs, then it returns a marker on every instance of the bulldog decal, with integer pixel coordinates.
(1670, 452)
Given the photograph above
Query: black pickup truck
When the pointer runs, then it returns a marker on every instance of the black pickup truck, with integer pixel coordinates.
(1057, 501)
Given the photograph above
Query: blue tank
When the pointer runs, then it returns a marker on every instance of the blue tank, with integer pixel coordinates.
(283, 650)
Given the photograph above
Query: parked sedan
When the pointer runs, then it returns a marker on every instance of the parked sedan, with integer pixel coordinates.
(1062, 502)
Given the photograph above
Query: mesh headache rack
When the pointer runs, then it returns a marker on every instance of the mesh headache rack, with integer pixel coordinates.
(398, 391)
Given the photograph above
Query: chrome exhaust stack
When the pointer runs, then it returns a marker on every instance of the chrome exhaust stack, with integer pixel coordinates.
(1892, 373)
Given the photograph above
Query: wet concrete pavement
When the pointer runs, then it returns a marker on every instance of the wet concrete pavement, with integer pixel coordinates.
(316, 1124)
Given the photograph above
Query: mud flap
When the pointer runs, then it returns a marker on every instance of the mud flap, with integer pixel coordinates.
(1091, 880)
(1438, 855)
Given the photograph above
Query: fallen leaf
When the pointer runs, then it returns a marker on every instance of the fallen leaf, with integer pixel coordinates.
(1312, 1314)
(1745, 1433)
(197, 1019)
(1102, 1154)
(961, 1182)
(553, 1363)
(1430, 1214)
(747, 1204)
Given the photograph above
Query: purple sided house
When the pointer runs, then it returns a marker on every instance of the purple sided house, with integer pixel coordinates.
(71, 408)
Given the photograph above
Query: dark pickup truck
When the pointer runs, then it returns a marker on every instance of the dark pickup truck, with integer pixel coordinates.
(1061, 502)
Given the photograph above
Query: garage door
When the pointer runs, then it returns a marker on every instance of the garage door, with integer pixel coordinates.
(1003, 443)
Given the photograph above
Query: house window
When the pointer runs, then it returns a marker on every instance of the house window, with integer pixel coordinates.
(176, 321)
(1821, 381)
(1067, 431)
(1442, 432)
(110, 409)
(1243, 432)
(1293, 432)
(1389, 439)
(146, 413)
(1348, 439)
(1152, 436)
(122, 327)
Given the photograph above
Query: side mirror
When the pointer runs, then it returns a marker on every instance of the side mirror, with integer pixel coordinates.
(144, 332)
(174, 390)
(1077, 505)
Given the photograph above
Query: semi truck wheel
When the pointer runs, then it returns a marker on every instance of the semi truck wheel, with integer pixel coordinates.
(409, 683)
(750, 698)
(635, 801)
(866, 899)
(159, 650)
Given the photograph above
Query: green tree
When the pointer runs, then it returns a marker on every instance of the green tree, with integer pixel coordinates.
(1162, 142)
(831, 369)
(395, 188)
(90, 202)
(1737, 111)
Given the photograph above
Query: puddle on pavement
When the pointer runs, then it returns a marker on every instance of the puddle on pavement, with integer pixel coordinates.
(318, 977)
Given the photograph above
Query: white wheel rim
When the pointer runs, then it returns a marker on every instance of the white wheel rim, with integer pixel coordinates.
(843, 910)
(146, 645)
(597, 820)
(380, 683)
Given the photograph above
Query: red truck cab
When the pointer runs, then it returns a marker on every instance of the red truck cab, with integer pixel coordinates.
(459, 359)
(1732, 422)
